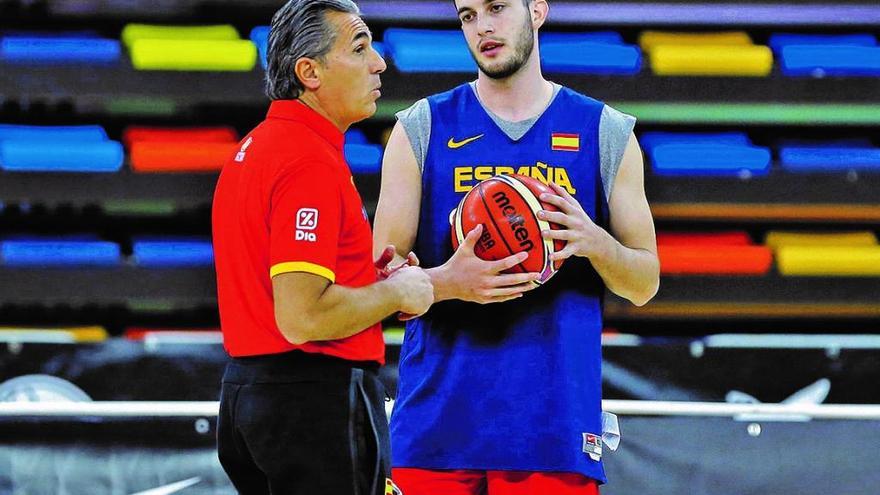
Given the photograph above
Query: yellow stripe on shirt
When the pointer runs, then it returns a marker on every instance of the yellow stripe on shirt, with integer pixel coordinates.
(303, 266)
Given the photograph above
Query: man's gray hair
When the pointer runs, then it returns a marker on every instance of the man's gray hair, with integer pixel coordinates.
(299, 29)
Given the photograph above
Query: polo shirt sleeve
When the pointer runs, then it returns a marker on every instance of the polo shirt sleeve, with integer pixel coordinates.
(305, 220)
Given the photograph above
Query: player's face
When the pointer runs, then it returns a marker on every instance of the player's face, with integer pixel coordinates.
(350, 75)
(499, 34)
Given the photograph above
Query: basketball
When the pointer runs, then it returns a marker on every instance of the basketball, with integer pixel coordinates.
(507, 206)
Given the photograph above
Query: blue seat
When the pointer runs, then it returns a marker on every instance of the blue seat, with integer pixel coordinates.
(591, 58)
(356, 136)
(608, 37)
(58, 252)
(59, 50)
(650, 140)
(426, 50)
(260, 37)
(830, 60)
(364, 158)
(829, 159)
(71, 156)
(710, 160)
(172, 252)
(13, 132)
(780, 40)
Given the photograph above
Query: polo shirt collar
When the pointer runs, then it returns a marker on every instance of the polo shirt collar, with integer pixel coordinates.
(300, 112)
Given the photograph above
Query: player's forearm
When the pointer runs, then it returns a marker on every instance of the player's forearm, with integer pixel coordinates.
(633, 274)
(444, 285)
(341, 311)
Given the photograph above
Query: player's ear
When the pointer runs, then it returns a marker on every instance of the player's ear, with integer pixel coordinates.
(308, 71)
(538, 10)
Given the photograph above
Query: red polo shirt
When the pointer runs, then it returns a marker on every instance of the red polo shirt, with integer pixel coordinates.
(286, 202)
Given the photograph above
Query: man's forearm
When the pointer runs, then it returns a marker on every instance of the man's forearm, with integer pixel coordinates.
(344, 311)
(633, 274)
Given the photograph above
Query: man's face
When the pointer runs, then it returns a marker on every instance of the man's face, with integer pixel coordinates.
(350, 70)
(499, 34)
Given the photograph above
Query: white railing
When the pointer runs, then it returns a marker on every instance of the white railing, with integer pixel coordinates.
(621, 407)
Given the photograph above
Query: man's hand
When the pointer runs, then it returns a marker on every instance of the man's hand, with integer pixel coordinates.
(583, 237)
(465, 276)
(383, 262)
(414, 288)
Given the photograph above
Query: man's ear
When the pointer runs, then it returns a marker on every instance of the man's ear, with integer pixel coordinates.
(308, 71)
(539, 10)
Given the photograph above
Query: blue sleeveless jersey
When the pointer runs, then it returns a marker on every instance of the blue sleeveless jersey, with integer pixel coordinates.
(515, 385)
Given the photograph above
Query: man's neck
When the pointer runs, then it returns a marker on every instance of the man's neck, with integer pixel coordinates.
(312, 101)
(519, 97)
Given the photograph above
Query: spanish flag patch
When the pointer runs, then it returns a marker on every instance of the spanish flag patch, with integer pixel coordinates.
(565, 142)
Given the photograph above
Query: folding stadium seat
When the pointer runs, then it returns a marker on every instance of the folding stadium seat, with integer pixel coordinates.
(363, 158)
(777, 239)
(59, 49)
(706, 54)
(46, 252)
(173, 150)
(157, 252)
(428, 50)
(721, 253)
(829, 158)
(188, 48)
(62, 335)
(691, 154)
(827, 55)
(58, 149)
(826, 254)
(589, 53)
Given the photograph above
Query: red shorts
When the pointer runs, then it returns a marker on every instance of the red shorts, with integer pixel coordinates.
(460, 482)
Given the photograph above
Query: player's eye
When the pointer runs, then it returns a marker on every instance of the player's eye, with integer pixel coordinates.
(468, 17)
(360, 49)
(498, 7)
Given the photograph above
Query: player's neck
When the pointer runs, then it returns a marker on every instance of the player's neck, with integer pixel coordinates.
(522, 96)
(312, 101)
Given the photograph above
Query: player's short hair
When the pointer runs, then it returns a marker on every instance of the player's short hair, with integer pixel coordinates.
(299, 29)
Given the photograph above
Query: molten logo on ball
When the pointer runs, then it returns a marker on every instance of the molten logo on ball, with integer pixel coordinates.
(507, 207)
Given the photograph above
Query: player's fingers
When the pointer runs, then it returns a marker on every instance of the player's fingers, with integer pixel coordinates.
(562, 235)
(557, 201)
(385, 257)
(509, 291)
(555, 217)
(566, 253)
(510, 279)
(509, 262)
(565, 195)
(502, 299)
(412, 259)
(470, 240)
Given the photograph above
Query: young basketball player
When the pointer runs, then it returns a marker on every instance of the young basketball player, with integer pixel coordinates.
(505, 398)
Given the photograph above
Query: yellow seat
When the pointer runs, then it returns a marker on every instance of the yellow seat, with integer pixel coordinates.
(777, 239)
(650, 39)
(193, 55)
(134, 32)
(54, 335)
(711, 60)
(840, 261)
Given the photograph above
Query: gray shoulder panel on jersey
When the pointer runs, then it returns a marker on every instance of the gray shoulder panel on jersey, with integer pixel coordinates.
(614, 130)
(416, 121)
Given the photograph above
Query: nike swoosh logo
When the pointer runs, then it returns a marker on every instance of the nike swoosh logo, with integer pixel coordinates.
(455, 145)
(172, 488)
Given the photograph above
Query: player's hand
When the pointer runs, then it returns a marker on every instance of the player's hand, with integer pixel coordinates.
(470, 278)
(582, 235)
(383, 265)
(414, 288)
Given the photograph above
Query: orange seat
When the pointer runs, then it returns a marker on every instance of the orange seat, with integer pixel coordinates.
(730, 238)
(715, 260)
(136, 134)
(169, 156)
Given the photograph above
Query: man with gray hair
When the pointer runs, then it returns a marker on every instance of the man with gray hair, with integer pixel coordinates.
(300, 297)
